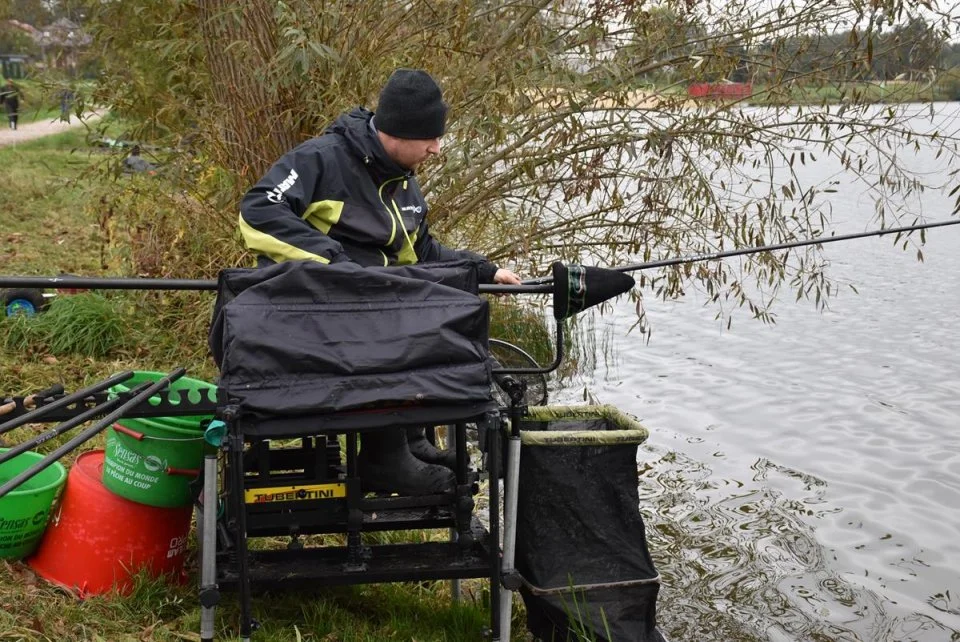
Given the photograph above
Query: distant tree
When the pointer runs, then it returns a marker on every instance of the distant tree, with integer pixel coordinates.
(551, 150)
(949, 56)
(917, 46)
(33, 12)
(14, 40)
(73, 10)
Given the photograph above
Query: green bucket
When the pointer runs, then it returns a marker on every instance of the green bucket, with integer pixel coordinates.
(152, 461)
(24, 512)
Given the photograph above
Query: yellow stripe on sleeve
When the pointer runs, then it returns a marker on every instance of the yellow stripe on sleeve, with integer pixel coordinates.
(274, 248)
(323, 214)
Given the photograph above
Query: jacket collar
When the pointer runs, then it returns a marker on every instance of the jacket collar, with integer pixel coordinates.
(364, 143)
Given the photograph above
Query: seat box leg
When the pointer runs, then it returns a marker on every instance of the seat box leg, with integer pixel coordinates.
(464, 497)
(355, 553)
(493, 465)
(239, 528)
(207, 520)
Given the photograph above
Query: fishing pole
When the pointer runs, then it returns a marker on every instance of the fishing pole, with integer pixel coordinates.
(530, 286)
(92, 431)
(764, 248)
(105, 283)
(56, 431)
(135, 283)
(32, 400)
(79, 396)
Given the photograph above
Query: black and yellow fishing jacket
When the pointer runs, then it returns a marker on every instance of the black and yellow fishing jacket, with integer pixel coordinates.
(339, 197)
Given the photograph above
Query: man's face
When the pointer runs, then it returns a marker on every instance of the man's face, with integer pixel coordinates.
(409, 153)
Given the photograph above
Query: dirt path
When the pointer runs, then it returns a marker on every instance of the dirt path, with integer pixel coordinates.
(41, 128)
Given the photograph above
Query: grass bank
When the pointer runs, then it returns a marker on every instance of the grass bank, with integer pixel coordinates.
(891, 91)
(58, 216)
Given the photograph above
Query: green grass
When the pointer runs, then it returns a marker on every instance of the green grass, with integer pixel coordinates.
(88, 325)
(52, 216)
(860, 92)
(40, 208)
(32, 610)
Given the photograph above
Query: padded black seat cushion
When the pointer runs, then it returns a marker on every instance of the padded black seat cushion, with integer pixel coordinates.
(306, 338)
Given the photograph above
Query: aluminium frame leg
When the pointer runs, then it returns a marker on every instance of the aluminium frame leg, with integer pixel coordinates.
(207, 518)
(493, 467)
(455, 588)
(464, 506)
(235, 461)
(511, 484)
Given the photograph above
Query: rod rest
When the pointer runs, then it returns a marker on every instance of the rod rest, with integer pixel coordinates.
(208, 401)
(172, 403)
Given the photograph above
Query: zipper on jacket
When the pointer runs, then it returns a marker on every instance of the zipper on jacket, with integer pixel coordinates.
(404, 228)
(393, 220)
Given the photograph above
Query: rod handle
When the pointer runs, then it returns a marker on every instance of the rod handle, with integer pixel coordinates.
(186, 472)
(30, 401)
(128, 432)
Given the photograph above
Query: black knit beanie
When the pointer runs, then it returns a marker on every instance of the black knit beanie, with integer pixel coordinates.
(411, 106)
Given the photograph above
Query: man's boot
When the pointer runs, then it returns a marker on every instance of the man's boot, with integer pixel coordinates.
(387, 465)
(423, 450)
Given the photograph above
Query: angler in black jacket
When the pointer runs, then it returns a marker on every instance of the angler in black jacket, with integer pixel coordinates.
(351, 195)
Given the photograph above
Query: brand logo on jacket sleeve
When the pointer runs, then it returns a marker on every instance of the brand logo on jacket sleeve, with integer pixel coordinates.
(276, 194)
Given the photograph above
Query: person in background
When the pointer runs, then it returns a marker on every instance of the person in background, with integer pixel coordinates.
(135, 163)
(10, 95)
(351, 194)
(66, 104)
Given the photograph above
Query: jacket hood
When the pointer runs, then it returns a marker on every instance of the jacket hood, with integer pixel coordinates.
(354, 127)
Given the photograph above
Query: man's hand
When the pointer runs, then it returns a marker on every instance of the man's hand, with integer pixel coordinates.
(506, 277)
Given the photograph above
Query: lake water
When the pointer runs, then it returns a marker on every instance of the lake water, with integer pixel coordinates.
(802, 480)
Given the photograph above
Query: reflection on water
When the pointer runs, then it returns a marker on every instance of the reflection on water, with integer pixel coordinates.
(740, 560)
(802, 480)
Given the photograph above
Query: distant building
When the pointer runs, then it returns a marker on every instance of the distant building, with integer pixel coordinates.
(61, 44)
(13, 64)
(30, 30)
(720, 90)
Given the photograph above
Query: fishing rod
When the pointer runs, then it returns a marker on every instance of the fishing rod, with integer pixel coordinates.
(763, 248)
(531, 286)
(56, 431)
(31, 401)
(136, 283)
(105, 283)
(92, 431)
(79, 396)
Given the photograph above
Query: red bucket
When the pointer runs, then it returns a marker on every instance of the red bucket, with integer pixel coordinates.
(97, 540)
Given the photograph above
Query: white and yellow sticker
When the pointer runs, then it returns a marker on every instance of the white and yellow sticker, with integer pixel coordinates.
(294, 493)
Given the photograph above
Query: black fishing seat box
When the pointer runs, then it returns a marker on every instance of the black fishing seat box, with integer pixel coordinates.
(311, 356)
(290, 479)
